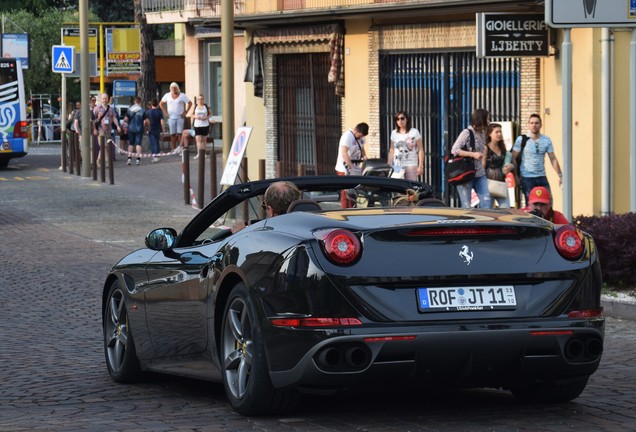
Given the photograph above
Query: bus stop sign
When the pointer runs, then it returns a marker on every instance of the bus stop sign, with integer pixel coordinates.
(63, 57)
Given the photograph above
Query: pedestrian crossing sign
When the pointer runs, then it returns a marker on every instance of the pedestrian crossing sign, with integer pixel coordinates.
(62, 58)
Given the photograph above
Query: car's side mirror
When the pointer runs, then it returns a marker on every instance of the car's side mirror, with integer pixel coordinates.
(161, 239)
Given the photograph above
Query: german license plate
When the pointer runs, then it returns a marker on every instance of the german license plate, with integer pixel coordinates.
(479, 298)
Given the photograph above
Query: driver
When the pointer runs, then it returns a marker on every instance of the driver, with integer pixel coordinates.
(277, 199)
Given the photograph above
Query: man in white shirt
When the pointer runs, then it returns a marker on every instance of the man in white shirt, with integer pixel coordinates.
(175, 105)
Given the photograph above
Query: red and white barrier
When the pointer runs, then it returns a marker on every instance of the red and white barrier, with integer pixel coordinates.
(176, 151)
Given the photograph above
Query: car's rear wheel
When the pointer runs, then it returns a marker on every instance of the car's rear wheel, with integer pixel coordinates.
(245, 373)
(119, 348)
(550, 392)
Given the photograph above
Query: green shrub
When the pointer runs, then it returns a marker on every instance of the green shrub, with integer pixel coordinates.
(615, 237)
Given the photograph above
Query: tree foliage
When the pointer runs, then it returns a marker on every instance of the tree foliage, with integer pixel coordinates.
(43, 19)
(37, 7)
(44, 31)
(114, 11)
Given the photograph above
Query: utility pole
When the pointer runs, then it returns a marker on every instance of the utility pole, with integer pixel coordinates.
(227, 71)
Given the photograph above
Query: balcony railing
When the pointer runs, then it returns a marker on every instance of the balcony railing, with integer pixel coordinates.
(250, 7)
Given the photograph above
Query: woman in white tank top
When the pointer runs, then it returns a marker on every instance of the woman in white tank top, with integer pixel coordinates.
(201, 123)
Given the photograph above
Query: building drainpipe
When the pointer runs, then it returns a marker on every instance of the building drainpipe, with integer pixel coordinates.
(566, 73)
(632, 131)
(606, 121)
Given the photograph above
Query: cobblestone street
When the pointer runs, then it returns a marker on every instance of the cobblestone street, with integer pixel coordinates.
(60, 235)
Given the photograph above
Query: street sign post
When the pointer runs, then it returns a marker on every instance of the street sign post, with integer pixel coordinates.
(62, 58)
(590, 13)
(71, 37)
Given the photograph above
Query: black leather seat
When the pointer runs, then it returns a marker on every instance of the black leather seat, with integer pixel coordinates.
(304, 205)
(430, 202)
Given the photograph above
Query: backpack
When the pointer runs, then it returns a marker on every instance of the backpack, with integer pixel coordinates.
(136, 122)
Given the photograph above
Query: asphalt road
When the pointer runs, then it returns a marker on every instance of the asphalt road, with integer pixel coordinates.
(60, 233)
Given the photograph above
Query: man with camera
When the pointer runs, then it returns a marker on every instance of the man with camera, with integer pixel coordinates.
(540, 204)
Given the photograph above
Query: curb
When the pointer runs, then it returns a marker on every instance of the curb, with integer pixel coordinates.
(620, 310)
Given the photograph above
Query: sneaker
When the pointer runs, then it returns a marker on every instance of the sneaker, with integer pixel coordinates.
(138, 162)
(155, 159)
(128, 162)
(196, 157)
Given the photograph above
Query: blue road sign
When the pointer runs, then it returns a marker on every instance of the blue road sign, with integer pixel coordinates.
(63, 56)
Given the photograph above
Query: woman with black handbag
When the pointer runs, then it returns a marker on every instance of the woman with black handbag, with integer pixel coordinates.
(470, 144)
(498, 165)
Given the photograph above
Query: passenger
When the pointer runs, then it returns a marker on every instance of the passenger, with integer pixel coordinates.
(540, 204)
(405, 150)
(479, 120)
(497, 161)
(410, 199)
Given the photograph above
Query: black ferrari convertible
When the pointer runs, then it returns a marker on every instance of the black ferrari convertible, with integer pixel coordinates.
(397, 290)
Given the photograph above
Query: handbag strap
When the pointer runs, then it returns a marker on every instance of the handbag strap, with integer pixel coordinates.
(104, 114)
(472, 140)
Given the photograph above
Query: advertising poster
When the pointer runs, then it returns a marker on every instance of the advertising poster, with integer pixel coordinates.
(16, 45)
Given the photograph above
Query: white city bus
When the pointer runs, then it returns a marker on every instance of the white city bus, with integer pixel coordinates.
(14, 127)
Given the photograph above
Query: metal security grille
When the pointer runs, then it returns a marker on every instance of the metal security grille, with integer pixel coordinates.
(439, 91)
(309, 114)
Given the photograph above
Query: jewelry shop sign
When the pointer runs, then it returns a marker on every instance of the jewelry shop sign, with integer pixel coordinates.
(512, 35)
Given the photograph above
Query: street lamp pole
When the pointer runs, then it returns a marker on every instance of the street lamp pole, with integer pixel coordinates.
(87, 133)
(227, 71)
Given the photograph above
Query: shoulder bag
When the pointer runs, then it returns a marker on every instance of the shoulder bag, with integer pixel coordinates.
(458, 169)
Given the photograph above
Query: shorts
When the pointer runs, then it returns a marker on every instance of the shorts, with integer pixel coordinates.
(175, 125)
(202, 131)
(135, 138)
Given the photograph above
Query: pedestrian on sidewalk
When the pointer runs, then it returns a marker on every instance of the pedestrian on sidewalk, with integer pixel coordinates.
(155, 125)
(105, 119)
(135, 119)
(174, 106)
(201, 120)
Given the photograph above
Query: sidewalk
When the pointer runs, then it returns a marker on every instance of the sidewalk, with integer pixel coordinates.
(619, 308)
(142, 197)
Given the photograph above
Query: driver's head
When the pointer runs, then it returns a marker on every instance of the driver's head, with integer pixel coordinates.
(279, 196)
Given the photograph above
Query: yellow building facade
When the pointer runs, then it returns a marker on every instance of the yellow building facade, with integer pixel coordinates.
(370, 33)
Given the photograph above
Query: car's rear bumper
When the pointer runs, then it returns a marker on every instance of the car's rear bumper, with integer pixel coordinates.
(468, 356)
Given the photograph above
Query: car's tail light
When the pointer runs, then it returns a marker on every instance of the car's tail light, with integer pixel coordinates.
(315, 322)
(21, 129)
(587, 313)
(569, 242)
(340, 246)
(551, 332)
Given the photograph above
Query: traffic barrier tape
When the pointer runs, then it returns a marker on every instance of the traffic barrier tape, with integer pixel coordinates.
(193, 200)
(176, 151)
